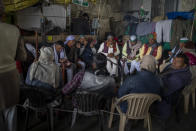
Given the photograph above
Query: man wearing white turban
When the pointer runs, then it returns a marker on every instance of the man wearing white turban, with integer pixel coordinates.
(131, 55)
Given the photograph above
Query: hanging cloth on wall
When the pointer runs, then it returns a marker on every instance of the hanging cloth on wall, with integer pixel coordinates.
(145, 28)
(163, 31)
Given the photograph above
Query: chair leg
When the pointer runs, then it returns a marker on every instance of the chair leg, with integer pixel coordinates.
(145, 122)
(51, 119)
(149, 123)
(186, 103)
(193, 99)
(74, 115)
(101, 120)
(27, 119)
(111, 115)
(122, 122)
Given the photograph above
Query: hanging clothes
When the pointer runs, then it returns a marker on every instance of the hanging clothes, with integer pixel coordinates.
(145, 28)
(163, 31)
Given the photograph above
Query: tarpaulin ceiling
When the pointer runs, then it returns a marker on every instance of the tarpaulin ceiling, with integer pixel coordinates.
(14, 5)
(30, 18)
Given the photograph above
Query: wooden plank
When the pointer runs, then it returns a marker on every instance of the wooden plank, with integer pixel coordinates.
(55, 38)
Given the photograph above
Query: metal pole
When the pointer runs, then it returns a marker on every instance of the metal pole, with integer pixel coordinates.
(36, 44)
(70, 19)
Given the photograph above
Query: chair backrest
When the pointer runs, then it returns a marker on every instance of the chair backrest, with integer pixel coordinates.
(87, 102)
(139, 104)
(38, 97)
(193, 72)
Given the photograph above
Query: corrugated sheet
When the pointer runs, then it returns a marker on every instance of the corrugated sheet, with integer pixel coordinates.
(170, 6)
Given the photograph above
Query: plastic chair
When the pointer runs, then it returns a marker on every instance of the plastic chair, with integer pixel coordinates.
(190, 91)
(38, 100)
(187, 92)
(87, 104)
(138, 108)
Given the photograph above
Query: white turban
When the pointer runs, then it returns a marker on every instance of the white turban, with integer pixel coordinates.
(69, 38)
(133, 38)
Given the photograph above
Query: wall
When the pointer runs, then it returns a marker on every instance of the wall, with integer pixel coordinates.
(107, 9)
(186, 5)
(101, 10)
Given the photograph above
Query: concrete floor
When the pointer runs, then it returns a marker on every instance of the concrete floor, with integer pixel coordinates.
(63, 123)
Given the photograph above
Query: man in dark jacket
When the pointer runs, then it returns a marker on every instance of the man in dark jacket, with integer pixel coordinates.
(176, 75)
(71, 50)
(96, 80)
(144, 81)
(174, 78)
(87, 51)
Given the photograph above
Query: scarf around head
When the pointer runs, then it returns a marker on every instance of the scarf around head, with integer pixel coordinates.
(148, 63)
(45, 70)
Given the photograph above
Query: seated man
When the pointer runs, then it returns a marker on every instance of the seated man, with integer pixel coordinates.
(176, 75)
(60, 57)
(87, 51)
(96, 80)
(111, 51)
(152, 48)
(172, 54)
(72, 51)
(130, 56)
(44, 72)
(174, 78)
(144, 81)
(178, 48)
